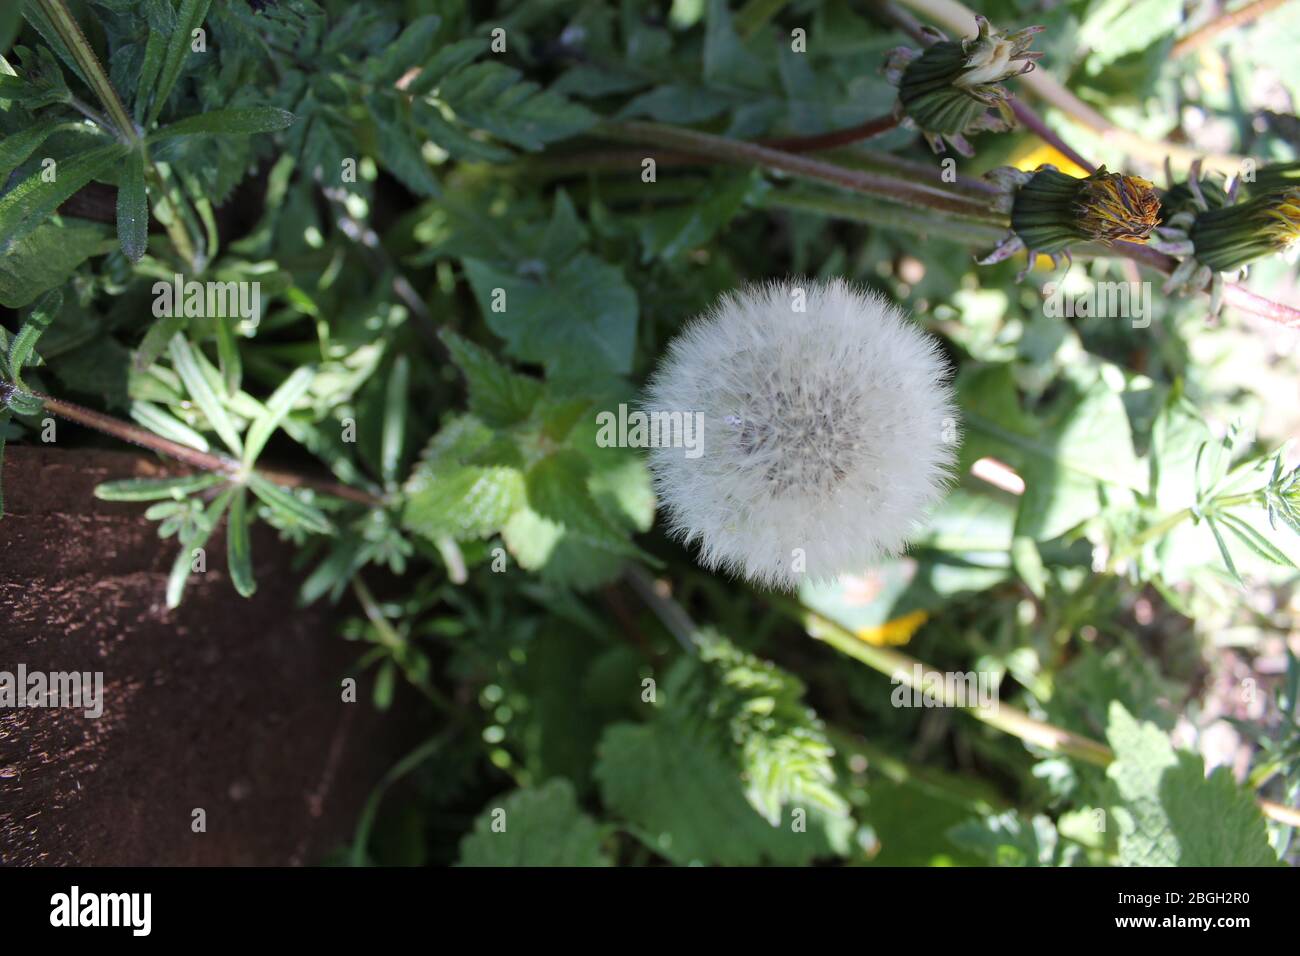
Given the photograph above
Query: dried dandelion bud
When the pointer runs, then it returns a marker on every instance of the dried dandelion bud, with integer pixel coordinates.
(1214, 234)
(1051, 210)
(948, 89)
(829, 431)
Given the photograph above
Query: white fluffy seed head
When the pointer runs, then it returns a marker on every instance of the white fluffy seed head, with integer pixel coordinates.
(827, 433)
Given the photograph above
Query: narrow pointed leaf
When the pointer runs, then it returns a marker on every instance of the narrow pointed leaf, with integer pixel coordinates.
(196, 383)
(239, 551)
(133, 208)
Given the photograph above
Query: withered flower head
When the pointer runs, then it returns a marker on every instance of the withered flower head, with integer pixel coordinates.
(1051, 210)
(948, 89)
(1215, 234)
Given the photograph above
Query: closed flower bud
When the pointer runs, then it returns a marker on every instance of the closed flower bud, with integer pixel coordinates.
(1051, 210)
(828, 431)
(948, 89)
(1215, 234)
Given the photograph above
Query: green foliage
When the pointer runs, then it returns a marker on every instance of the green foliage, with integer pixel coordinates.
(1170, 813)
(461, 263)
(541, 827)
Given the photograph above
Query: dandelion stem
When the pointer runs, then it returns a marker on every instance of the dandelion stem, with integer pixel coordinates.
(663, 136)
(1221, 24)
(835, 139)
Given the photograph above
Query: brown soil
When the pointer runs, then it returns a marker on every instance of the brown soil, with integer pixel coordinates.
(228, 705)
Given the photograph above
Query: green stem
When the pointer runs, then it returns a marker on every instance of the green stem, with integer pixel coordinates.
(877, 213)
(66, 28)
(665, 137)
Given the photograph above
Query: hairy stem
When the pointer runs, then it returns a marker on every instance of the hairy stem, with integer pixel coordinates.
(66, 28)
(207, 461)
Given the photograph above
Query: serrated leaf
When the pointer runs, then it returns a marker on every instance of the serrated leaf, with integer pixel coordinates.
(537, 827)
(496, 394)
(410, 48)
(465, 503)
(685, 801)
(557, 490)
(1170, 813)
(579, 320)
(493, 97)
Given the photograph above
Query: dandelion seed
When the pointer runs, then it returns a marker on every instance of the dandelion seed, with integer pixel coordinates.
(824, 432)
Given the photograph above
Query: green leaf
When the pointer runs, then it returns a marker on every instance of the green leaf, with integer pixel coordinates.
(395, 404)
(243, 121)
(579, 320)
(1079, 450)
(277, 407)
(452, 493)
(47, 257)
(291, 508)
(557, 491)
(190, 18)
(684, 799)
(183, 566)
(239, 552)
(497, 395)
(1170, 813)
(464, 503)
(151, 489)
(161, 422)
(34, 200)
(24, 343)
(1254, 541)
(537, 827)
(493, 97)
(133, 208)
(15, 148)
(196, 383)
(407, 50)
(1223, 549)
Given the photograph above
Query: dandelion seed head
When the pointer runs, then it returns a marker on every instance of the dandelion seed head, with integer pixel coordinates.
(827, 433)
